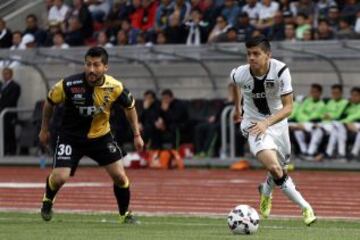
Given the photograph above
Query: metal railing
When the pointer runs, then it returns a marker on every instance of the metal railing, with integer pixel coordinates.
(227, 150)
(2, 115)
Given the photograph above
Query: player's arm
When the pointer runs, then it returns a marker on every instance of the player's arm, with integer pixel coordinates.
(285, 112)
(55, 96)
(127, 101)
(237, 101)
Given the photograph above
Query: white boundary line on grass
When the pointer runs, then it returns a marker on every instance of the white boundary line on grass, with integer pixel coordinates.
(169, 214)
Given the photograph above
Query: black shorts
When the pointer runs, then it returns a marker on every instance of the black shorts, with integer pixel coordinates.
(68, 151)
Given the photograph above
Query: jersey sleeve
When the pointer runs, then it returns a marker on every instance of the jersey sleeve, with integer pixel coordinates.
(285, 82)
(126, 99)
(56, 94)
(235, 76)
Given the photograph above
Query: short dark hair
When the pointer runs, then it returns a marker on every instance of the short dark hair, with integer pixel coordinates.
(33, 16)
(259, 41)
(167, 92)
(98, 52)
(317, 87)
(337, 86)
(355, 89)
(151, 93)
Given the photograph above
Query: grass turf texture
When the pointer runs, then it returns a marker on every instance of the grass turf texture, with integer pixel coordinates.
(29, 226)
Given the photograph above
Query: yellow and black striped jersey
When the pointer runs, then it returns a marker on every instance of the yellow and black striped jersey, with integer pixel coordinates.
(86, 108)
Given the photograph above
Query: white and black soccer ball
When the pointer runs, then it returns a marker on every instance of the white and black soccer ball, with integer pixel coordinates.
(243, 219)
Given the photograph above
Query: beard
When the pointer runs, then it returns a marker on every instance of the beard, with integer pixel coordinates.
(94, 79)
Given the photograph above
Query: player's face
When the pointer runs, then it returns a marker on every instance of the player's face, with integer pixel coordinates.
(95, 70)
(355, 97)
(257, 58)
(315, 93)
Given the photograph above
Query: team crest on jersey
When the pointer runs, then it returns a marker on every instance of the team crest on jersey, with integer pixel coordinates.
(108, 89)
(111, 147)
(269, 83)
(247, 87)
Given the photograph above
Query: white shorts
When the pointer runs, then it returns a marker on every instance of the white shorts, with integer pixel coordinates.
(276, 138)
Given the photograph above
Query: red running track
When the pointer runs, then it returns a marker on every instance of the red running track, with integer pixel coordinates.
(194, 191)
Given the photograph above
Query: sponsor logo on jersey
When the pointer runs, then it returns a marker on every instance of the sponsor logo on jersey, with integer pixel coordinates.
(259, 95)
(75, 82)
(269, 83)
(77, 90)
(88, 111)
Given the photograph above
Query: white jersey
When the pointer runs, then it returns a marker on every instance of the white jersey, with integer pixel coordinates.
(262, 96)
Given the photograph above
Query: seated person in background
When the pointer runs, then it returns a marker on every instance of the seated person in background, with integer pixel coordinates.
(148, 117)
(333, 110)
(309, 112)
(349, 120)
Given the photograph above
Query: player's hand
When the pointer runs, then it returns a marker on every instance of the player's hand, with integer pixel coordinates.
(138, 143)
(258, 128)
(237, 116)
(44, 137)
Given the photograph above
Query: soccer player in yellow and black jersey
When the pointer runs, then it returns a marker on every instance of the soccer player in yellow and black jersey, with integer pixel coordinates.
(85, 129)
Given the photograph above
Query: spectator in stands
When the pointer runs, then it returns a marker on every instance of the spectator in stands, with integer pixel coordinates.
(33, 28)
(310, 111)
(120, 10)
(219, 31)
(350, 9)
(288, 18)
(59, 41)
(307, 35)
(81, 11)
(122, 38)
(252, 8)
(209, 12)
(9, 96)
(230, 11)
(267, 11)
(306, 7)
(163, 13)
(130, 32)
(197, 29)
(357, 24)
(99, 9)
(74, 35)
(244, 27)
(175, 33)
(348, 121)
(161, 38)
(289, 7)
(290, 33)
(5, 35)
(345, 30)
(148, 117)
(333, 18)
(143, 18)
(322, 8)
(302, 22)
(324, 31)
(182, 9)
(54, 27)
(277, 30)
(58, 12)
(102, 40)
(16, 41)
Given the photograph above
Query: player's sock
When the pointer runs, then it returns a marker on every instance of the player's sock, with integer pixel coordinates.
(122, 194)
(268, 185)
(288, 188)
(300, 138)
(50, 190)
(316, 137)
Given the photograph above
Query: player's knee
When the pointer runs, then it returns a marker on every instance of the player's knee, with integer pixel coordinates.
(276, 171)
(59, 178)
(121, 180)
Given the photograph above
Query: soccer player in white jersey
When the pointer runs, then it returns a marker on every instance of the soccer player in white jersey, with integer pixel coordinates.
(265, 86)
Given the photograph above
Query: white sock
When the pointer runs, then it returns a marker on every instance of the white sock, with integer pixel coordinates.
(300, 138)
(268, 185)
(356, 148)
(289, 189)
(316, 137)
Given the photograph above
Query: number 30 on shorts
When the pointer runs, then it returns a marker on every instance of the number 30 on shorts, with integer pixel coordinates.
(64, 149)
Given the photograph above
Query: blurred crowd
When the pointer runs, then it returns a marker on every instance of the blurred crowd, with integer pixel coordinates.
(111, 23)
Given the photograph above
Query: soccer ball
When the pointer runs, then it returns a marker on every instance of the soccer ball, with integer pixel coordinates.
(243, 219)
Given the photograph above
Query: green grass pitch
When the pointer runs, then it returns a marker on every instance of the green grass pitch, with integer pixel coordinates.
(65, 226)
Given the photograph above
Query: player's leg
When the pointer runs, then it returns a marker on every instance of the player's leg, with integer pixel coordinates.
(316, 137)
(269, 159)
(356, 147)
(265, 190)
(300, 139)
(54, 182)
(333, 139)
(341, 138)
(121, 190)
